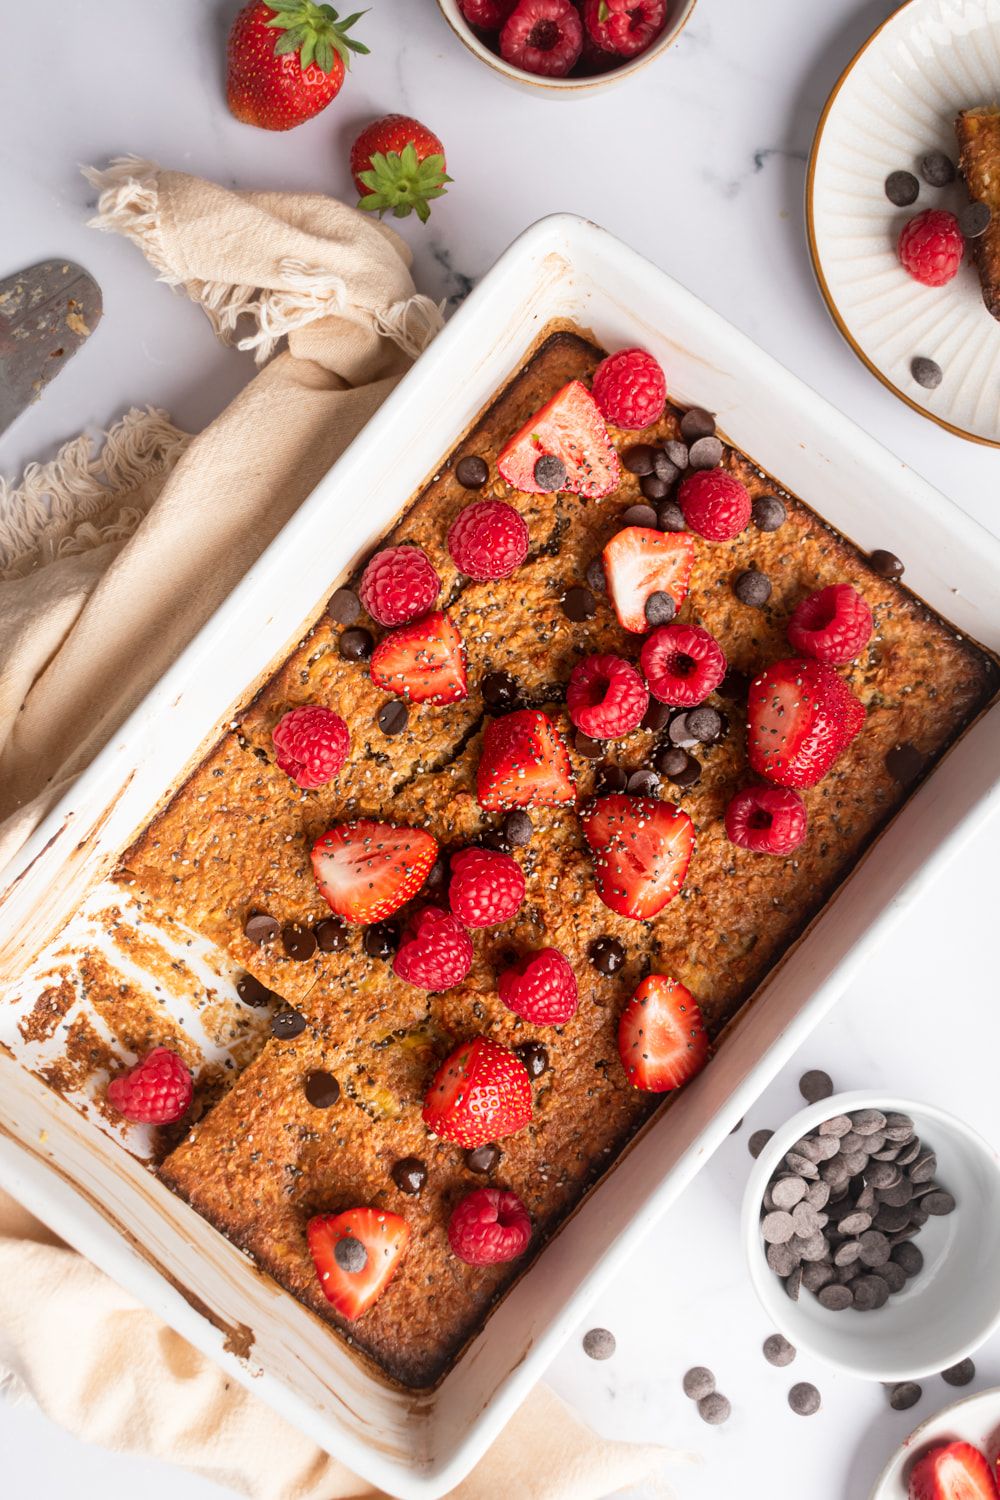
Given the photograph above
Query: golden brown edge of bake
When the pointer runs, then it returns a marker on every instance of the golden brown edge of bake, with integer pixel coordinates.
(985, 249)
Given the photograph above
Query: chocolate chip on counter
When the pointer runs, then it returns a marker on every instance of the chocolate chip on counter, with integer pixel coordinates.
(607, 954)
(938, 1203)
(350, 1255)
(904, 763)
(518, 828)
(484, 1159)
(534, 1056)
(752, 588)
(835, 1297)
(974, 220)
(698, 1382)
(714, 1409)
(356, 644)
(578, 604)
(815, 1085)
(472, 472)
(639, 515)
(381, 939)
(638, 459)
(409, 1174)
(287, 1024)
(937, 169)
(704, 724)
(697, 423)
(260, 927)
(908, 1257)
(677, 452)
(597, 579)
(660, 608)
(885, 564)
(643, 783)
(344, 607)
(960, 1374)
(926, 372)
(901, 189)
(501, 692)
(322, 1089)
(653, 488)
(656, 717)
(705, 453)
(768, 513)
(778, 1351)
(331, 935)
(904, 1394)
(599, 1343)
(670, 517)
(588, 748)
(758, 1141)
(298, 942)
(393, 717)
(550, 472)
(610, 780)
(253, 993)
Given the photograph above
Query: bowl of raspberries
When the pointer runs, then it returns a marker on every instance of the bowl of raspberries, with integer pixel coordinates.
(564, 47)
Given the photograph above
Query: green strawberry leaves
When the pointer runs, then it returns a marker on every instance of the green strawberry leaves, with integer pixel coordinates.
(316, 33)
(400, 181)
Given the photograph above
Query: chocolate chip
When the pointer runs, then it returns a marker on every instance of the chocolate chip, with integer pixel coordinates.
(261, 928)
(804, 1398)
(501, 692)
(643, 783)
(252, 992)
(597, 579)
(924, 1166)
(697, 423)
(671, 761)
(678, 732)
(816, 1275)
(322, 1089)
(677, 452)
(550, 472)
(867, 1122)
(356, 644)
(937, 169)
(472, 472)
(778, 1351)
(344, 607)
(518, 828)
(638, 459)
(610, 780)
(484, 1159)
(926, 372)
(599, 1343)
(816, 1085)
(904, 763)
(663, 468)
(381, 939)
(698, 1382)
(685, 776)
(974, 220)
(670, 517)
(656, 717)
(835, 1297)
(714, 1409)
(960, 1374)
(660, 608)
(885, 564)
(705, 453)
(893, 1275)
(778, 1227)
(578, 604)
(898, 1127)
(908, 1257)
(588, 748)
(534, 1056)
(855, 1223)
(768, 513)
(639, 515)
(287, 1024)
(332, 935)
(409, 1174)
(607, 954)
(874, 1248)
(393, 716)
(847, 1253)
(752, 588)
(938, 1203)
(901, 189)
(786, 1192)
(782, 1258)
(298, 942)
(350, 1255)
(870, 1293)
(704, 724)
(758, 1141)
(905, 1393)
(654, 488)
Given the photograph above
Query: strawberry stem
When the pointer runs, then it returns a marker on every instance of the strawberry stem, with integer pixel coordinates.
(315, 32)
(400, 181)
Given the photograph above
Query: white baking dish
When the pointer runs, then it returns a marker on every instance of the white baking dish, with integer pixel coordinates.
(64, 1164)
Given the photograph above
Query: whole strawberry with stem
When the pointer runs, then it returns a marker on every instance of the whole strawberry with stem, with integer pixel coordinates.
(287, 61)
(398, 164)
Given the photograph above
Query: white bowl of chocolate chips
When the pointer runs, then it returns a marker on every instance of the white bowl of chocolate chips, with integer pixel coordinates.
(872, 1232)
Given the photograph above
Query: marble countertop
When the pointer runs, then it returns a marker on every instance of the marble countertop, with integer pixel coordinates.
(700, 163)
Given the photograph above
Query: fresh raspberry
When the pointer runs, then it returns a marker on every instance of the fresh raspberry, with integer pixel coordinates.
(606, 697)
(541, 988)
(931, 247)
(398, 584)
(488, 1227)
(833, 625)
(766, 819)
(486, 887)
(630, 389)
(624, 26)
(715, 504)
(488, 539)
(542, 36)
(435, 952)
(310, 744)
(157, 1091)
(489, 15)
(682, 664)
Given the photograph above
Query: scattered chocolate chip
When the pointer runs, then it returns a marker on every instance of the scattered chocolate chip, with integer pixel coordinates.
(758, 1141)
(768, 513)
(656, 717)
(678, 732)
(705, 453)
(588, 748)
(472, 472)
(501, 692)
(816, 1085)
(639, 515)
(904, 1394)
(714, 1409)
(653, 488)
(660, 608)
(484, 1159)
(393, 716)
(597, 579)
(677, 452)
(253, 993)
(704, 724)
(534, 1056)
(974, 220)
(698, 1383)
(937, 169)
(260, 927)
(322, 1089)
(753, 588)
(670, 517)
(638, 459)
(518, 828)
(904, 763)
(381, 939)
(960, 1374)
(409, 1174)
(350, 1255)
(578, 604)
(332, 935)
(926, 372)
(607, 954)
(643, 783)
(677, 765)
(344, 607)
(550, 472)
(886, 564)
(599, 1343)
(663, 468)
(778, 1351)
(298, 942)
(610, 780)
(287, 1023)
(697, 423)
(356, 644)
(901, 189)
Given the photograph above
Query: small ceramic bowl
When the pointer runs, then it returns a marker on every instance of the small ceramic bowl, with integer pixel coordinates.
(943, 1313)
(678, 15)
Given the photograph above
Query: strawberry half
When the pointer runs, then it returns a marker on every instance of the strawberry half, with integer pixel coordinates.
(480, 1093)
(524, 763)
(423, 661)
(639, 562)
(356, 1255)
(642, 848)
(661, 1037)
(366, 870)
(569, 427)
(956, 1471)
(800, 716)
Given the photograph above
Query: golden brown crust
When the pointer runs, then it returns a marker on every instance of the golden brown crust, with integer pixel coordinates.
(978, 133)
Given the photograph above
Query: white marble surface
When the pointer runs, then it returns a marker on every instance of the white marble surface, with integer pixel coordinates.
(700, 164)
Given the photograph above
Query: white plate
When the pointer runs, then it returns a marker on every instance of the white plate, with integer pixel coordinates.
(898, 99)
(974, 1419)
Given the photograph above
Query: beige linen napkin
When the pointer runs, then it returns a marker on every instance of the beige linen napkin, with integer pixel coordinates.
(109, 563)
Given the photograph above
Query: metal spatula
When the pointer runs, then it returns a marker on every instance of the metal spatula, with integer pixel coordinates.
(46, 313)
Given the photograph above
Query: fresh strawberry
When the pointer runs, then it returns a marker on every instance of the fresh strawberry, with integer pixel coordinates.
(366, 870)
(540, 988)
(955, 1471)
(542, 36)
(157, 1091)
(931, 247)
(766, 819)
(630, 388)
(480, 1093)
(833, 625)
(398, 164)
(486, 887)
(642, 848)
(488, 1227)
(310, 744)
(356, 1255)
(287, 61)
(606, 697)
(682, 664)
(662, 1040)
(398, 584)
(524, 763)
(488, 539)
(435, 953)
(423, 661)
(715, 504)
(571, 429)
(488, 15)
(800, 716)
(640, 562)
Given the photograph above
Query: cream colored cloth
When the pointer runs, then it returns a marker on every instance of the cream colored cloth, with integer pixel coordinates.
(109, 563)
